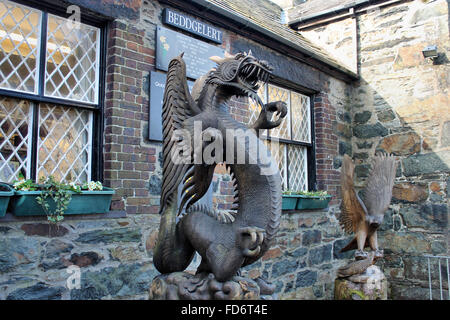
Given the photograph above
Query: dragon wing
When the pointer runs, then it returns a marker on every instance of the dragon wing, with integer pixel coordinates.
(352, 208)
(178, 106)
(378, 191)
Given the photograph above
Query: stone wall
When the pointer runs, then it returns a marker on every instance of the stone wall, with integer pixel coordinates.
(303, 261)
(114, 257)
(338, 39)
(401, 106)
(111, 254)
(114, 252)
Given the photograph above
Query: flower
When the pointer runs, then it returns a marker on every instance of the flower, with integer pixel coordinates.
(99, 185)
(74, 186)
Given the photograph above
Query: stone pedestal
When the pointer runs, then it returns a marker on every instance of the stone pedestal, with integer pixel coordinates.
(203, 286)
(370, 285)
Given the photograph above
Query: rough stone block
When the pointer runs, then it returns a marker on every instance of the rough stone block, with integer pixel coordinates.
(426, 163)
(111, 235)
(365, 131)
(362, 117)
(371, 285)
(409, 193)
(121, 281)
(400, 144)
(320, 254)
(429, 216)
(306, 278)
(385, 115)
(39, 291)
(17, 251)
(311, 237)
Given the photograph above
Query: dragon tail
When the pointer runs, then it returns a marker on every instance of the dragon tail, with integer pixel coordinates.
(172, 252)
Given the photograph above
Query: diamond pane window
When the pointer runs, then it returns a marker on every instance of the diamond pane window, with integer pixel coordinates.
(15, 124)
(254, 108)
(300, 116)
(20, 28)
(291, 153)
(72, 68)
(283, 131)
(54, 138)
(298, 173)
(64, 146)
(278, 152)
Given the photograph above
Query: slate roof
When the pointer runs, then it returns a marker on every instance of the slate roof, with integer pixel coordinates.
(267, 15)
(315, 8)
(312, 7)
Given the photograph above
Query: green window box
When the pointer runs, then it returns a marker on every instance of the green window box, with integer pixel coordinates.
(6, 192)
(312, 202)
(24, 203)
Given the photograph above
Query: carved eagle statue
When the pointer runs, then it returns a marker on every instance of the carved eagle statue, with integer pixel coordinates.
(362, 216)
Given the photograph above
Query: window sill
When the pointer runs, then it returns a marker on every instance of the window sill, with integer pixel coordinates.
(305, 211)
(9, 217)
(302, 202)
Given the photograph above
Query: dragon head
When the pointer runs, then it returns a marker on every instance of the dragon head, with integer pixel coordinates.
(240, 74)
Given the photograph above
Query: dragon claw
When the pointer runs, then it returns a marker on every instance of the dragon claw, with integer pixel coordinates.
(251, 239)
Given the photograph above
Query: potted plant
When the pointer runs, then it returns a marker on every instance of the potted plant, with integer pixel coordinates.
(54, 199)
(312, 200)
(6, 192)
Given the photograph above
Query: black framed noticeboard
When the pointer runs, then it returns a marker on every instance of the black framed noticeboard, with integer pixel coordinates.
(170, 44)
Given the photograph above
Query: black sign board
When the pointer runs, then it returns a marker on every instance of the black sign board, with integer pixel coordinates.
(170, 44)
(157, 84)
(191, 25)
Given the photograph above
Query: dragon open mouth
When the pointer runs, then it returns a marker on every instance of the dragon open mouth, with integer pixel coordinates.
(252, 73)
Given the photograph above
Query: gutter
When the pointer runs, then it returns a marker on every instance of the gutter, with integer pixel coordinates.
(340, 12)
(208, 6)
(331, 11)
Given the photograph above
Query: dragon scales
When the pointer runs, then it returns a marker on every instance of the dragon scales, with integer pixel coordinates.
(225, 241)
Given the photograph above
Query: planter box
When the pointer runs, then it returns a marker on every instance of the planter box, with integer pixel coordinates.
(289, 202)
(311, 202)
(87, 202)
(6, 192)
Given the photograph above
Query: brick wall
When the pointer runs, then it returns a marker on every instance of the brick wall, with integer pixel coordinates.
(128, 161)
(326, 145)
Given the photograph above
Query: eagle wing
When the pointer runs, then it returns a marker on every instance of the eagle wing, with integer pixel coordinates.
(352, 208)
(178, 106)
(378, 191)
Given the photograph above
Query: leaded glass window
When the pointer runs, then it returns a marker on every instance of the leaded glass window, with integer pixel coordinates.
(15, 142)
(56, 137)
(64, 143)
(290, 144)
(20, 29)
(72, 61)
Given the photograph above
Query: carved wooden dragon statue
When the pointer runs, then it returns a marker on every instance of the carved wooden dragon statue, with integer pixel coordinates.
(226, 242)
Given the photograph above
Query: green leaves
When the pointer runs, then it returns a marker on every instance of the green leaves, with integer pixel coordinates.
(55, 196)
(25, 185)
(321, 193)
(60, 193)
